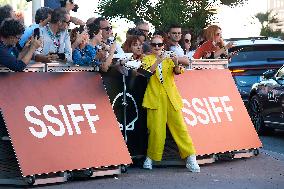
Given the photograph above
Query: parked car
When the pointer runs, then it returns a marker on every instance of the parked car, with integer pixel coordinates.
(266, 102)
(255, 56)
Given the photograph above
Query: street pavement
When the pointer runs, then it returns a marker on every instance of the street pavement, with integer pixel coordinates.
(265, 171)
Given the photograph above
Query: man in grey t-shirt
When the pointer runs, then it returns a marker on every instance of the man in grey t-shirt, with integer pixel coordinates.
(174, 34)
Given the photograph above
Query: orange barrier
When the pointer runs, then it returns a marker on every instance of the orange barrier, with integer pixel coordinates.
(60, 121)
(214, 112)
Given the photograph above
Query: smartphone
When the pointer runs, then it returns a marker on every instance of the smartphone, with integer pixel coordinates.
(36, 33)
(61, 56)
(81, 29)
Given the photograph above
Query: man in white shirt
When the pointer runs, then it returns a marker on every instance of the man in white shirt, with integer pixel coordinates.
(56, 39)
(107, 34)
(174, 34)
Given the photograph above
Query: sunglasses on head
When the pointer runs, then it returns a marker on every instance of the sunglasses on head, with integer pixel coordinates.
(186, 40)
(157, 44)
(107, 28)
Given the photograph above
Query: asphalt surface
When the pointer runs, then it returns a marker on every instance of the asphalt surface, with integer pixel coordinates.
(274, 142)
(261, 172)
(265, 171)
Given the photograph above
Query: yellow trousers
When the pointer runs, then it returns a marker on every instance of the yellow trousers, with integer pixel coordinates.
(157, 119)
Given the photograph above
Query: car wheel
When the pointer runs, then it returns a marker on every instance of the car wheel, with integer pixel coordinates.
(256, 115)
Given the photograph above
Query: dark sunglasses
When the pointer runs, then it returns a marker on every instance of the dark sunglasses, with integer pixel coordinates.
(186, 40)
(176, 33)
(67, 22)
(144, 30)
(157, 44)
(107, 28)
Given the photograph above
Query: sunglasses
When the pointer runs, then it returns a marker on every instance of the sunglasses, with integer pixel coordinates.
(186, 40)
(157, 44)
(107, 28)
(67, 22)
(144, 30)
(176, 33)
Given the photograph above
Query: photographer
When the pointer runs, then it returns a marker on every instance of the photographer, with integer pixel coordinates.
(10, 32)
(56, 39)
(70, 6)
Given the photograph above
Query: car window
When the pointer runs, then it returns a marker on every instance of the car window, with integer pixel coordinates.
(257, 53)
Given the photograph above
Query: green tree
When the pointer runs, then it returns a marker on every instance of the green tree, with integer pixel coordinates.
(267, 21)
(193, 14)
(20, 4)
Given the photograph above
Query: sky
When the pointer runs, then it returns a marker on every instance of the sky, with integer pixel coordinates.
(235, 22)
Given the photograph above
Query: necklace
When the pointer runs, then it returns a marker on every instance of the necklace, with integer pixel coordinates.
(55, 38)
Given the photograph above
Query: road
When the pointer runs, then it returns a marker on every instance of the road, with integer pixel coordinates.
(261, 172)
(274, 142)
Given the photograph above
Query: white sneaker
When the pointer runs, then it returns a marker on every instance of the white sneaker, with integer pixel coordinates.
(147, 163)
(192, 164)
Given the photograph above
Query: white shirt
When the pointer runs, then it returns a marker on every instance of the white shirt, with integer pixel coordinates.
(190, 54)
(160, 68)
(51, 43)
(177, 50)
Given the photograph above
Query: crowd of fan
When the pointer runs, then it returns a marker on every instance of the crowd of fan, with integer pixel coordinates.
(92, 43)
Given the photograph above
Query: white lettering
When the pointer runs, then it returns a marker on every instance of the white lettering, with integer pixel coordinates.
(200, 110)
(66, 120)
(90, 118)
(189, 112)
(52, 114)
(75, 119)
(227, 109)
(54, 120)
(35, 121)
(207, 110)
(216, 109)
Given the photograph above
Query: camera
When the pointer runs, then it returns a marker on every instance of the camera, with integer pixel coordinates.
(75, 9)
(61, 56)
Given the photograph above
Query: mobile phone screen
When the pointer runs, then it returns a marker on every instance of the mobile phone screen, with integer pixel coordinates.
(36, 33)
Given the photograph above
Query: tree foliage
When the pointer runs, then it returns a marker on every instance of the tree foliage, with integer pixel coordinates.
(20, 4)
(193, 14)
(267, 21)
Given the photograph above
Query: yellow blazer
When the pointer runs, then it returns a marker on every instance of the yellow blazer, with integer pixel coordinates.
(152, 94)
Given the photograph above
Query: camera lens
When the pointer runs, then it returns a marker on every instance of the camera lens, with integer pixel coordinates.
(75, 9)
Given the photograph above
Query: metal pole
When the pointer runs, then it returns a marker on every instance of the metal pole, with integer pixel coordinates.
(124, 104)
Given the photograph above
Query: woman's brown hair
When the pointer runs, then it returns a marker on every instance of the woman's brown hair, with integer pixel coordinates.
(129, 41)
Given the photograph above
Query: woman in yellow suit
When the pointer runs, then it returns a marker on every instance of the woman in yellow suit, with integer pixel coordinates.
(164, 104)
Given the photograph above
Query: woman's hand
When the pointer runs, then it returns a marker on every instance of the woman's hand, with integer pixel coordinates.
(229, 45)
(174, 59)
(35, 43)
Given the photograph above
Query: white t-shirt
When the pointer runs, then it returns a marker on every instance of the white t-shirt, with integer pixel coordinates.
(190, 54)
(177, 50)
